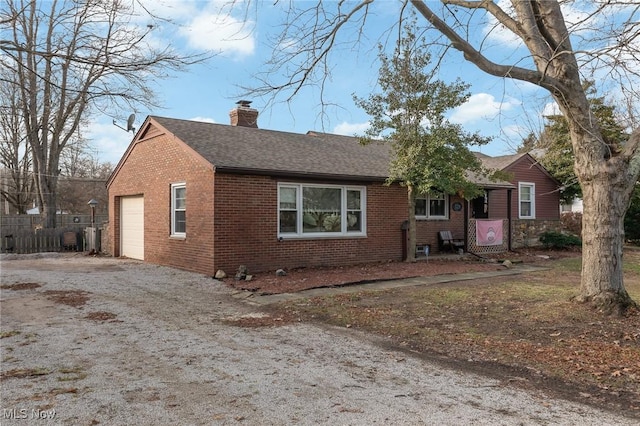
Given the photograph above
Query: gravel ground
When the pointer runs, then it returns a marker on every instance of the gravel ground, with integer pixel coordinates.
(120, 342)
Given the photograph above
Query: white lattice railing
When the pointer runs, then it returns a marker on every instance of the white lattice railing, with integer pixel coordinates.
(472, 239)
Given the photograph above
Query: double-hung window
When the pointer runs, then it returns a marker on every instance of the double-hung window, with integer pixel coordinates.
(179, 209)
(432, 206)
(309, 210)
(526, 200)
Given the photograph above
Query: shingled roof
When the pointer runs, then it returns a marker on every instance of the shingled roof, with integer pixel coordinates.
(242, 149)
(237, 149)
(499, 163)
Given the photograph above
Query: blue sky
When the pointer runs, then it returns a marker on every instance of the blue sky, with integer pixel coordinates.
(503, 109)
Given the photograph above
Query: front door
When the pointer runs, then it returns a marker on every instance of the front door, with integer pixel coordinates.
(480, 207)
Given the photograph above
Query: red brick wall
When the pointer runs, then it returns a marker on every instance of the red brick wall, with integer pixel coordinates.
(427, 230)
(246, 229)
(150, 169)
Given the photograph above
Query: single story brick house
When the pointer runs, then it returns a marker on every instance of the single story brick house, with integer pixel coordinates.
(202, 197)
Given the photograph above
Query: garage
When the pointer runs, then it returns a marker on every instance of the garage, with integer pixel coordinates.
(132, 227)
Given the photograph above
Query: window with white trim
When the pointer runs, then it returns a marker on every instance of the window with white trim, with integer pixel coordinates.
(309, 210)
(526, 200)
(179, 209)
(432, 206)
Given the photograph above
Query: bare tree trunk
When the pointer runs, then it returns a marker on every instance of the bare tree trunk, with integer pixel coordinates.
(603, 238)
(607, 174)
(48, 208)
(411, 205)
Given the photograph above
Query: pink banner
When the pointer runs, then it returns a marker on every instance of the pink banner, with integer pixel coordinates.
(489, 232)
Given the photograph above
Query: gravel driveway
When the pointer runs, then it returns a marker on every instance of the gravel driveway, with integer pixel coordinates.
(120, 342)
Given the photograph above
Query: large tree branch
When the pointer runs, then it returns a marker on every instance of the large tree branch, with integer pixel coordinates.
(477, 58)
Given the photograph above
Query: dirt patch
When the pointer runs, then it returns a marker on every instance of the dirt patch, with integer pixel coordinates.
(21, 286)
(30, 309)
(101, 316)
(75, 298)
(21, 373)
(6, 334)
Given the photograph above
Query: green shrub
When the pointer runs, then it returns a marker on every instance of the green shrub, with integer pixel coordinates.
(558, 240)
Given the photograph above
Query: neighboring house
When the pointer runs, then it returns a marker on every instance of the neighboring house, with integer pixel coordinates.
(204, 197)
(575, 206)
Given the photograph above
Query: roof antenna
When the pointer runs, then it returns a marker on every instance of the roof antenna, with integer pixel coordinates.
(130, 121)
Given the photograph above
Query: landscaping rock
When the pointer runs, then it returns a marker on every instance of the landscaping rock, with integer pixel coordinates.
(507, 264)
(241, 274)
(220, 275)
(281, 273)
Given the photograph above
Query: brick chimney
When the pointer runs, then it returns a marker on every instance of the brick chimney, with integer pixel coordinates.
(243, 115)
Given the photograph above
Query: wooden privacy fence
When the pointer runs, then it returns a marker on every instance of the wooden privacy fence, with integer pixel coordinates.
(43, 240)
(23, 233)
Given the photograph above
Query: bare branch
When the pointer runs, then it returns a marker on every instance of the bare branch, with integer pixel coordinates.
(69, 59)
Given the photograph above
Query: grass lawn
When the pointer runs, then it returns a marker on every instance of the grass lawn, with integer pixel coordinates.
(523, 327)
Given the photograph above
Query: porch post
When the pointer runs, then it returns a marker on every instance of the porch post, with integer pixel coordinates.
(509, 219)
(466, 224)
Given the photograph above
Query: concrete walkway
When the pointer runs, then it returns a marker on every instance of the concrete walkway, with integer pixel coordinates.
(258, 300)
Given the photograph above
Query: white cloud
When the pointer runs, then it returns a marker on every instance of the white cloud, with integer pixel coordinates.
(551, 109)
(203, 119)
(577, 21)
(350, 129)
(109, 142)
(176, 10)
(498, 32)
(289, 45)
(481, 106)
(220, 33)
(204, 25)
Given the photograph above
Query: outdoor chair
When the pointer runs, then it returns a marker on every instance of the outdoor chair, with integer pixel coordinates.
(447, 242)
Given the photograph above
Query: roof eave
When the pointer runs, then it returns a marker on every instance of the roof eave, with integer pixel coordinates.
(298, 174)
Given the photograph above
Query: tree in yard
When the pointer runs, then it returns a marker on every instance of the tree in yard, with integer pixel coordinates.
(409, 114)
(69, 59)
(546, 58)
(16, 179)
(557, 155)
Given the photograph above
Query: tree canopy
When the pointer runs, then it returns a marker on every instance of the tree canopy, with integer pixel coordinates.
(410, 114)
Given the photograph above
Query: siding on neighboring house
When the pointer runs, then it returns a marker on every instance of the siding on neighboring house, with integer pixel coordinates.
(526, 231)
(547, 196)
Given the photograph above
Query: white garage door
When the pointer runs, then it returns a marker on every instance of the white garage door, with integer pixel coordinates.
(132, 227)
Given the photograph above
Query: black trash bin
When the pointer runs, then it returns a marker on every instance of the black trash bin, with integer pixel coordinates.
(8, 243)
